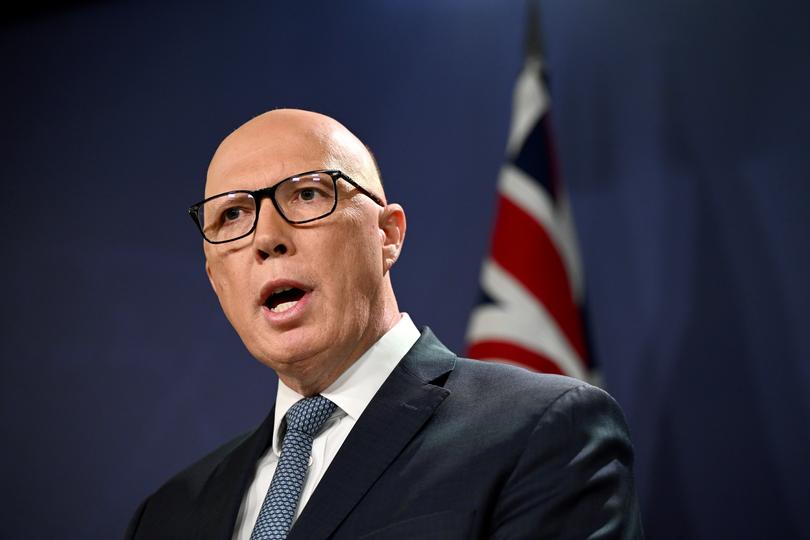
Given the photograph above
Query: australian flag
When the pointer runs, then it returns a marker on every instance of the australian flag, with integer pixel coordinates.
(531, 282)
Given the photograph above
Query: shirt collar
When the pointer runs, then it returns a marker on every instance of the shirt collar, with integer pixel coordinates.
(354, 389)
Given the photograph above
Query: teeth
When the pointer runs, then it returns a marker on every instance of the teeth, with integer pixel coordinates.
(281, 290)
(283, 307)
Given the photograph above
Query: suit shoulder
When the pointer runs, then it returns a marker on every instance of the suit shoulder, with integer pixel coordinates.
(502, 389)
(564, 440)
(501, 378)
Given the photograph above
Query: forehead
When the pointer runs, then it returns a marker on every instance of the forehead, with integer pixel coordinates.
(257, 160)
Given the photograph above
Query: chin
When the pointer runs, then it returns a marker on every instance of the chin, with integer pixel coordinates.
(289, 349)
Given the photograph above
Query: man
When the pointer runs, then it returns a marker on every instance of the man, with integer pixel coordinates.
(399, 438)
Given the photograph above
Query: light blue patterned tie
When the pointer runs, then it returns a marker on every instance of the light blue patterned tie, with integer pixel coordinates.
(304, 420)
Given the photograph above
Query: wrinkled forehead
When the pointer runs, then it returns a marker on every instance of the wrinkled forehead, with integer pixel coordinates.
(277, 145)
(257, 162)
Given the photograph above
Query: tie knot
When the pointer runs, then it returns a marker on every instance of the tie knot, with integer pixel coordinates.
(309, 414)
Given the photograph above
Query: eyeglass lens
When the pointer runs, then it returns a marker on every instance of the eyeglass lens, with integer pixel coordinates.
(300, 198)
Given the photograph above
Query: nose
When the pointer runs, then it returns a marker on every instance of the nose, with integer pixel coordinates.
(273, 235)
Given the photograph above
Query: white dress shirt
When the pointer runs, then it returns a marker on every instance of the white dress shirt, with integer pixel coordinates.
(351, 392)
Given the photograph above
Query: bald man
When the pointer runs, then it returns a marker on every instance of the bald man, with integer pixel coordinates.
(378, 430)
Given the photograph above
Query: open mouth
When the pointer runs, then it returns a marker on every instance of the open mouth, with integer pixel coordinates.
(283, 298)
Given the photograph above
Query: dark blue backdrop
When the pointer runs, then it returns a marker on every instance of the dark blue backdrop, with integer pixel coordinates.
(683, 132)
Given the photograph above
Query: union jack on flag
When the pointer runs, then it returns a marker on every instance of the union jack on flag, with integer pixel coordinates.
(531, 282)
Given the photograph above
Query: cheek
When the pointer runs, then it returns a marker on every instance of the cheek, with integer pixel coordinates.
(354, 268)
(364, 265)
(229, 286)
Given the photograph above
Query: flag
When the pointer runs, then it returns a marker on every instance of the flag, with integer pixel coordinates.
(531, 281)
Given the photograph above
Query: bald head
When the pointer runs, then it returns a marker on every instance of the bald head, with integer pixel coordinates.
(291, 141)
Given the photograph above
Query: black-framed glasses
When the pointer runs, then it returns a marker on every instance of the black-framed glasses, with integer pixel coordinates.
(298, 199)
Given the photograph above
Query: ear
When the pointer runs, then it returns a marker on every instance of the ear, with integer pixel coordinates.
(392, 234)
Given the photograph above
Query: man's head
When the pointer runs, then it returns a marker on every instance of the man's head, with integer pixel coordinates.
(337, 268)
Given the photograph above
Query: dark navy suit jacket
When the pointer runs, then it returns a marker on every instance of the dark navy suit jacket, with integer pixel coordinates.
(448, 448)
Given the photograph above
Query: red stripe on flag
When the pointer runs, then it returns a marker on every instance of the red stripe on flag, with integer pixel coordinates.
(513, 353)
(522, 247)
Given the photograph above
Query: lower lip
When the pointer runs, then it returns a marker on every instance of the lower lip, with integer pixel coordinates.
(288, 316)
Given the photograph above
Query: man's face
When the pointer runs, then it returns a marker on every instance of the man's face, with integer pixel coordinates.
(334, 267)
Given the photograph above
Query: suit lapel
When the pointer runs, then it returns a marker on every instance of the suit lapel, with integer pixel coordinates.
(400, 408)
(223, 491)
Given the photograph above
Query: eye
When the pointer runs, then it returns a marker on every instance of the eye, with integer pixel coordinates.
(305, 197)
(231, 214)
(308, 194)
(235, 213)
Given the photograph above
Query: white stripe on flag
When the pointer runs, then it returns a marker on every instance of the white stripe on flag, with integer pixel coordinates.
(530, 102)
(518, 318)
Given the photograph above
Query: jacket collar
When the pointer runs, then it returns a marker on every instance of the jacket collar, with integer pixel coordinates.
(404, 403)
